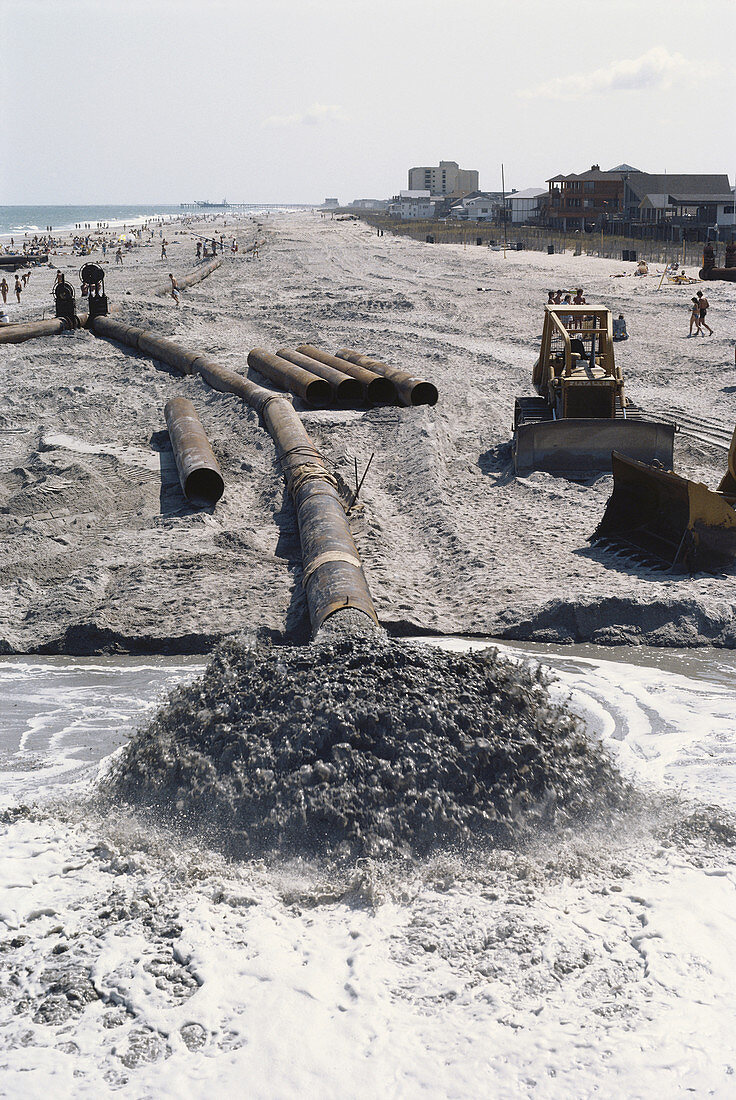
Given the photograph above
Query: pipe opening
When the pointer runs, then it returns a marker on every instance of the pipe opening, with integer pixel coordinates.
(424, 393)
(381, 392)
(318, 393)
(204, 487)
(350, 392)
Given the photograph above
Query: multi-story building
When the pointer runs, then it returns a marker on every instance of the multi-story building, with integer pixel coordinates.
(587, 200)
(524, 205)
(446, 179)
(627, 200)
(412, 204)
(677, 206)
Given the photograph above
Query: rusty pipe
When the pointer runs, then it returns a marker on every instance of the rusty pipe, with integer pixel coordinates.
(167, 351)
(199, 473)
(29, 330)
(377, 389)
(315, 391)
(412, 391)
(191, 279)
(345, 389)
(332, 575)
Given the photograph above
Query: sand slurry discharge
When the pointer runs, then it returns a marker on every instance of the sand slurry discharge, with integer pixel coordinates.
(358, 746)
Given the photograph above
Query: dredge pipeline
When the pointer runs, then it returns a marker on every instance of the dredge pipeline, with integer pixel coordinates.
(332, 574)
(29, 330)
(191, 279)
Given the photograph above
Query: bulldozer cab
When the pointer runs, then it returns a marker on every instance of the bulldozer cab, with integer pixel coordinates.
(576, 372)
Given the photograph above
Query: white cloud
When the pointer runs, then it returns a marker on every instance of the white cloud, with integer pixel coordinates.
(313, 116)
(656, 70)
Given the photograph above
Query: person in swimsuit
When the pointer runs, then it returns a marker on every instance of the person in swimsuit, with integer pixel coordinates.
(175, 292)
(18, 288)
(4, 289)
(703, 305)
(694, 318)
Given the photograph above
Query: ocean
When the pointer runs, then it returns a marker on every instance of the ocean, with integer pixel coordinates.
(19, 220)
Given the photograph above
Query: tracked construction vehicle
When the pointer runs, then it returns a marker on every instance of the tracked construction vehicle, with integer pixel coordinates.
(678, 521)
(581, 413)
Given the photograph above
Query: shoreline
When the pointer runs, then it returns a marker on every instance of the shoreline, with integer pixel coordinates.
(104, 555)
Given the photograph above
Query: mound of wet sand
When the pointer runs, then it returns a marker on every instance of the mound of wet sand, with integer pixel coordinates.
(357, 746)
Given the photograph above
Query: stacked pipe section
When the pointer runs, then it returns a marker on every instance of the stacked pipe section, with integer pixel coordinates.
(332, 574)
(376, 389)
(411, 390)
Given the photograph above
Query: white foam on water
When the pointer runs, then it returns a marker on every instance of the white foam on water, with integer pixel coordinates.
(595, 967)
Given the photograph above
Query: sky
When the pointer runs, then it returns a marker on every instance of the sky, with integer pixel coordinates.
(153, 101)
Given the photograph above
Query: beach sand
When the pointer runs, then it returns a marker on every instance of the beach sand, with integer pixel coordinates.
(100, 551)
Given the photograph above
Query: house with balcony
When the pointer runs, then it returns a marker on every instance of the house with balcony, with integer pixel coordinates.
(679, 206)
(585, 201)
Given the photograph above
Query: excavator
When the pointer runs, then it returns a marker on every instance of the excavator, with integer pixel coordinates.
(678, 521)
(581, 413)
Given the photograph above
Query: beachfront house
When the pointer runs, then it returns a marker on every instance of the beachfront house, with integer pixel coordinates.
(412, 205)
(677, 207)
(589, 200)
(626, 200)
(478, 206)
(524, 205)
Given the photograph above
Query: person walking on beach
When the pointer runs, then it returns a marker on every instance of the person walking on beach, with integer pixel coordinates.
(694, 318)
(4, 289)
(163, 250)
(703, 306)
(18, 288)
(199, 250)
(175, 292)
(119, 256)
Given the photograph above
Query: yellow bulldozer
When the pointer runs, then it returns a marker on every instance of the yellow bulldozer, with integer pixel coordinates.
(681, 522)
(580, 414)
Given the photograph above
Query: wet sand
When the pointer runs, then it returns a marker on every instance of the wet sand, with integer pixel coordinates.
(101, 553)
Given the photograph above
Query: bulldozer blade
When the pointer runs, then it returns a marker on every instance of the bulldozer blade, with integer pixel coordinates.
(582, 447)
(668, 516)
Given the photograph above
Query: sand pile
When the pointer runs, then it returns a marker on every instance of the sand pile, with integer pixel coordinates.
(360, 746)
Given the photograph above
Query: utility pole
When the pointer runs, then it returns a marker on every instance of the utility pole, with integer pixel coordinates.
(503, 210)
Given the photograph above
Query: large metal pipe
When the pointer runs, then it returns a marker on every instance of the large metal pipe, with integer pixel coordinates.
(377, 389)
(412, 391)
(227, 381)
(167, 351)
(115, 330)
(195, 276)
(199, 472)
(345, 389)
(29, 330)
(332, 575)
(315, 391)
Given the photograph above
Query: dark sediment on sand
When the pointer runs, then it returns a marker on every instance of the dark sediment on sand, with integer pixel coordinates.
(359, 746)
